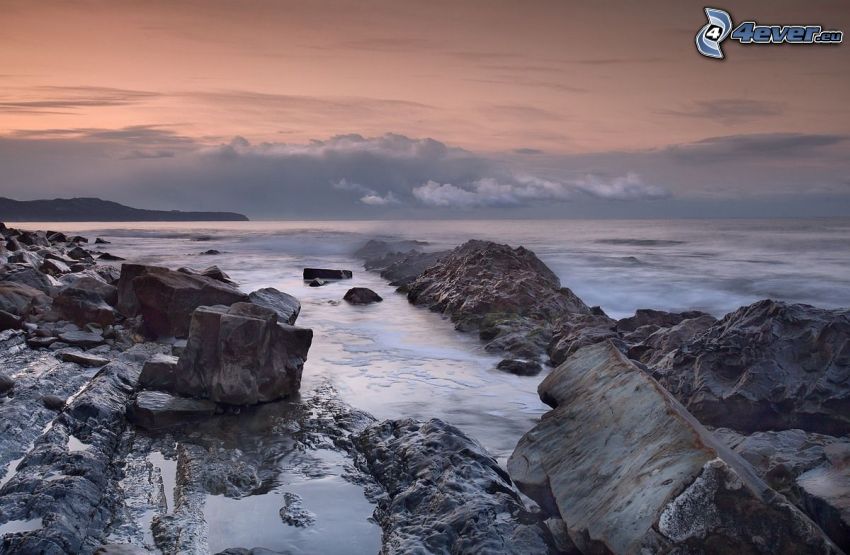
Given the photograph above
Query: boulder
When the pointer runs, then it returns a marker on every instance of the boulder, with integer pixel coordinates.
(361, 295)
(520, 367)
(109, 257)
(287, 307)
(54, 267)
(53, 402)
(7, 384)
(166, 298)
(12, 244)
(397, 262)
(445, 493)
(28, 275)
(213, 272)
(812, 470)
(629, 470)
(324, 273)
(576, 331)
(154, 410)
(159, 372)
(211, 252)
(664, 341)
(241, 355)
(10, 321)
(84, 339)
(657, 318)
(101, 241)
(316, 282)
(767, 366)
(80, 254)
(21, 300)
(87, 300)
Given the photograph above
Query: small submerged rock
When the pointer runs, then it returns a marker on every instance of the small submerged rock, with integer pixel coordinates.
(293, 512)
(316, 282)
(520, 367)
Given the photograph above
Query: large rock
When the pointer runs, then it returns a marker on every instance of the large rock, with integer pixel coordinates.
(20, 299)
(287, 307)
(155, 410)
(657, 318)
(28, 275)
(241, 355)
(508, 295)
(87, 300)
(576, 331)
(767, 366)
(629, 470)
(665, 341)
(361, 295)
(445, 494)
(325, 273)
(166, 299)
(159, 372)
(399, 262)
(812, 470)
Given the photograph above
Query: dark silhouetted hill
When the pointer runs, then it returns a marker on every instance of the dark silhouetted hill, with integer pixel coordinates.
(97, 210)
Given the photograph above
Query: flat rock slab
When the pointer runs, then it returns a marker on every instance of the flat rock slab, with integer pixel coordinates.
(83, 359)
(155, 410)
(326, 273)
(159, 372)
(629, 470)
(81, 338)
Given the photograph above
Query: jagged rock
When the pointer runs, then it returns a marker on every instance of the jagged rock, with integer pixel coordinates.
(399, 262)
(375, 249)
(81, 338)
(241, 355)
(285, 305)
(87, 300)
(576, 331)
(508, 295)
(665, 341)
(361, 295)
(324, 273)
(12, 244)
(767, 366)
(154, 410)
(80, 254)
(629, 470)
(166, 299)
(28, 276)
(109, 257)
(812, 470)
(520, 367)
(54, 267)
(445, 494)
(77, 239)
(213, 272)
(159, 372)
(293, 512)
(658, 318)
(20, 299)
(41, 342)
(84, 359)
(316, 282)
(101, 241)
(211, 252)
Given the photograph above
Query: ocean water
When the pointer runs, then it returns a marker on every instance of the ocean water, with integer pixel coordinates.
(395, 360)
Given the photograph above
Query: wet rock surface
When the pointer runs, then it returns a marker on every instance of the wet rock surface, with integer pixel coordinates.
(646, 475)
(326, 273)
(445, 494)
(361, 295)
(767, 366)
(285, 305)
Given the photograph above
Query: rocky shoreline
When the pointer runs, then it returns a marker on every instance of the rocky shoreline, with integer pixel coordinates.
(669, 432)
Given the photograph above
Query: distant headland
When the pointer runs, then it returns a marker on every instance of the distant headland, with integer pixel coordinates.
(98, 210)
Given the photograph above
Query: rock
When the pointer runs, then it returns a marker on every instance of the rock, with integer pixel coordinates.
(154, 410)
(178, 347)
(84, 359)
(53, 402)
(241, 355)
(20, 299)
(324, 273)
(767, 366)
(213, 272)
(77, 239)
(166, 299)
(80, 254)
(101, 241)
(316, 282)
(159, 372)
(12, 244)
(444, 493)
(664, 341)
(629, 470)
(361, 295)
(81, 338)
(576, 331)
(10, 321)
(508, 295)
(810, 469)
(87, 300)
(520, 367)
(109, 257)
(27, 276)
(211, 252)
(41, 342)
(285, 305)
(6, 384)
(54, 268)
(293, 512)
(375, 249)
(658, 318)
(400, 262)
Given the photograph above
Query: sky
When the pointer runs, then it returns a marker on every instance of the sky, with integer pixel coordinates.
(437, 109)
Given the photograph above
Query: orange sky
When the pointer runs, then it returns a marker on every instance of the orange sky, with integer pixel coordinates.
(564, 77)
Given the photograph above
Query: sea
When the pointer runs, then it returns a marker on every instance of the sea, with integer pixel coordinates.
(395, 360)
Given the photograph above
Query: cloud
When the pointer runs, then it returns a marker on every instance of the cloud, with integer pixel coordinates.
(729, 111)
(52, 100)
(756, 147)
